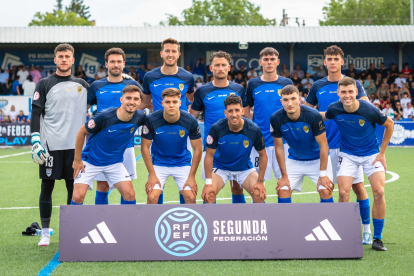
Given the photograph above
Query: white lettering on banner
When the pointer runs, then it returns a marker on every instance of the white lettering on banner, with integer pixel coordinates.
(239, 59)
(90, 65)
(243, 229)
(360, 63)
(15, 130)
(400, 134)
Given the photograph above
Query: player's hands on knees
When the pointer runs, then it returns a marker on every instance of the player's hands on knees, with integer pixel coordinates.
(283, 181)
(381, 158)
(325, 182)
(192, 183)
(261, 188)
(77, 167)
(152, 181)
(39, 153)
(206, 192)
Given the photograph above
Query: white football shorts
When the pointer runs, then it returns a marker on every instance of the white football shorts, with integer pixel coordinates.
(271, 161)
(238, 176)
(180, 175)
(130, 164)
(348, 165)
(359, 176)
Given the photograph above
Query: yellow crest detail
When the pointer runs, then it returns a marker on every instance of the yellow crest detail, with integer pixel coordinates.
(181, 86)
(232, 93)
(132, 129)
(182, 133)
(80, 89)
(279, 91)
(245, 143)
(361, 122)
(306, 129)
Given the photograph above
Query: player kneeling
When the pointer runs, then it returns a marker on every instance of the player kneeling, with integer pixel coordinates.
(229, 144)
(168, 130)
(303, 129)
(112, 130)
(356, 121)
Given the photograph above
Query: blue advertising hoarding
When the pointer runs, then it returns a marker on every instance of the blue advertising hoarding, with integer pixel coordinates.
(403, 134)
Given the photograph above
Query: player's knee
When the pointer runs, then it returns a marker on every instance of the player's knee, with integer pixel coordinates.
(284, 193)
(325, 193)
(78, 197)
(211, 198)
(256, 196)
(236, 189)
(102, 186)
(343, 195)
(129, 195)
(153, 198)
(190, 199)
(378, 194)
(359, 188)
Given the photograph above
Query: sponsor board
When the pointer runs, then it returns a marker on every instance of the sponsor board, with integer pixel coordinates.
(403, 134)
(15, 134)
(209, 232)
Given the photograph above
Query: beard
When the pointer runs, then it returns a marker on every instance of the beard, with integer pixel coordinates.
(113, 74)
(64, 71)
(217, 77)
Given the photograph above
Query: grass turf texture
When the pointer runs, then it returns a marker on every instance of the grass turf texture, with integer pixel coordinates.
(20, 255)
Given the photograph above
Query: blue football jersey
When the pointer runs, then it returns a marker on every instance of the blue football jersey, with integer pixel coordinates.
(210, 99)
(106, 94)
(111, 137)
(169, 140)
(233, 148)
(155, 82)
(323, 93)
(357, 129)
(265, 98)
(300, 134)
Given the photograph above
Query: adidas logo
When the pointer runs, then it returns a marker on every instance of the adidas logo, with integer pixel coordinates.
(320, 234)
(96, 238)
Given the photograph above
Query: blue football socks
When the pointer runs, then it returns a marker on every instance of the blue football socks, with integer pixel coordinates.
(73, 203)
(101, 198)
(129, 202)
(182, 201)
(284, 200)
(329, 200)
(378, 226)
(238, 198)
(364, 210)
(161, 199)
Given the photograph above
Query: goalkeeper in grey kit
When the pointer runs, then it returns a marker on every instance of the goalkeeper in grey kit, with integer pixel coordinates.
(58, 111)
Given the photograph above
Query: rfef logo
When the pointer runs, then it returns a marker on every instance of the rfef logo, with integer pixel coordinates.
(181, 231)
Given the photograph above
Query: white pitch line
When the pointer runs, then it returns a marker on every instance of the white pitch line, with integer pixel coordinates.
(394, 177)
(16, 162)
(16, 154)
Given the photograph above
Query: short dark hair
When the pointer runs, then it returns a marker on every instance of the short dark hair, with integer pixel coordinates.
(333, 51)
(171, 92)
(346, 81)
(269, 51)
(132, 88)
(64, 47)
(220, 54)
(114, 51)
(233, 99)
(289, 89)
(170, 41)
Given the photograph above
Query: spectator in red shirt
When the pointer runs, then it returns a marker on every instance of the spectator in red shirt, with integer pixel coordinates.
(406, 71)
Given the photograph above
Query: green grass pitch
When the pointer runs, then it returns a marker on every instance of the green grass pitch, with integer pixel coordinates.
(20, 255)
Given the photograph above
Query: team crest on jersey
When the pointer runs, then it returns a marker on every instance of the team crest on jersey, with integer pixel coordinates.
(361, 122)
(48, 172)
(145, 130)
(181, 86)
(91, 123)
(321, 126)
(80, 89)
(245, 143)
(132, 129)
(306, 129)
(279, 91)
(232, 93)
(209, 140)
(36, 96)
(182, 133)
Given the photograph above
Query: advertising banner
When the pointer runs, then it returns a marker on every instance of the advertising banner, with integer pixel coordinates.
(403, 134)
(14, 134)
(43, 57)
(209, 232)
(20, 103)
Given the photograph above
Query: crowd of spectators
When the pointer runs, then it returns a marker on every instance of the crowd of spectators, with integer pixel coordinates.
(13, 116)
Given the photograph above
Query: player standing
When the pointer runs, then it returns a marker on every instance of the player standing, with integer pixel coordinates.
(168, 130)
(210, 97)
(324, 92)
(112, 131)
(58, 111)
(263, 93)
(105, 93)
(356, 121)
(229, 145)
(303, 129)
(169, 75)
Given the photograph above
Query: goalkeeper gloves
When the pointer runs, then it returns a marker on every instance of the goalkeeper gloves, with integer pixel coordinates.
(39, 153)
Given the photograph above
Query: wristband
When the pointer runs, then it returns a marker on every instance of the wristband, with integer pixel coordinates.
(35, 138)
(322, 173)
(209, 181)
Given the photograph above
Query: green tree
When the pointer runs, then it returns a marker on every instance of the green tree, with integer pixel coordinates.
(59, 19)
(220, 12)
(79, 8)
(58, 6)
(366, 12)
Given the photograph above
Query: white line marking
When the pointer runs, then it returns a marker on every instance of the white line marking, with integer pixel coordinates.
(106, 233)
(16, 154)
(17, 162)
(394, 177)
(330, 230)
